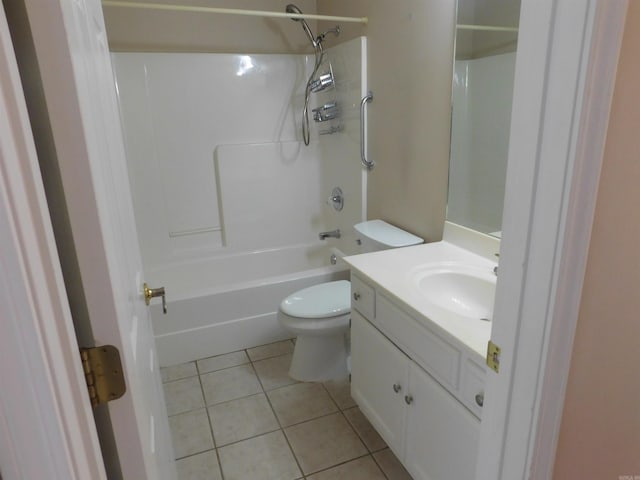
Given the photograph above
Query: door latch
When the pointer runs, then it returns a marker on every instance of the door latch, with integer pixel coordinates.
(150, 293)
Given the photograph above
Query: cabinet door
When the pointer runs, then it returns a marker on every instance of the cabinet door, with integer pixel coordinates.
(442, 435)
(379, 380)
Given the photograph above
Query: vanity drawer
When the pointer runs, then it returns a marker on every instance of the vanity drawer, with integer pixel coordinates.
(363, 297)
(436, 356)
(472, 386)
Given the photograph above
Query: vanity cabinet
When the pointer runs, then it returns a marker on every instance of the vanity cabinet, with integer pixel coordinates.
(430, 428)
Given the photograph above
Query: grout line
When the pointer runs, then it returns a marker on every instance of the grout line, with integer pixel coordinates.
(343, 463)
(284, 434)
(270, 356)
(192, 454)
(265, 390)
(280, 428)
(331, 396)
(206, 408)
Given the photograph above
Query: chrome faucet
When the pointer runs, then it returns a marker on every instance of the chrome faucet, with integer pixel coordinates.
(331, 234)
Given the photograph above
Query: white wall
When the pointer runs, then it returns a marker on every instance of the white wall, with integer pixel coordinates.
(140, 30)
(482, 93)
(410, 60)
(214, 160)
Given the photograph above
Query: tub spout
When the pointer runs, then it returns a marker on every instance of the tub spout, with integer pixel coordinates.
(331, 234)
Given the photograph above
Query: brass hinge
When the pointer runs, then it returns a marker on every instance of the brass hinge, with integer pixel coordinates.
(103, 372)
(493, 356)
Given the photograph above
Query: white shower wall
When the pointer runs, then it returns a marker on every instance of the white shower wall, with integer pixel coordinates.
(228, 201)
(215, 163)
(176, 109)
(482, 93)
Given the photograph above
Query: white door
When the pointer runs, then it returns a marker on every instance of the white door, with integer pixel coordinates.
(71, 46)
(46, 422)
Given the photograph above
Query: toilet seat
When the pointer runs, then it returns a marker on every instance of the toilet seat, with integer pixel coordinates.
(315, 326)
(325, 300)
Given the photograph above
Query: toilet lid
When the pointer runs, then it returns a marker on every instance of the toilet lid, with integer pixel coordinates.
(320, 301)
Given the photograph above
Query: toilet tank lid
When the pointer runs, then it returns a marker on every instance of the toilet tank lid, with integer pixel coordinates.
(386, 234)
(324, 300)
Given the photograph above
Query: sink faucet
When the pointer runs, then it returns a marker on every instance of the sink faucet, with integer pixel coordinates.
(331, 234)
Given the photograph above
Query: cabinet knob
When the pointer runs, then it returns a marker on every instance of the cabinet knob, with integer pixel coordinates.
(397, 387)
(356, 296)
(480, 399)
(408, 399)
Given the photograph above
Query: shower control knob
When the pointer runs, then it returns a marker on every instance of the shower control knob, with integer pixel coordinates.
(397, 387)
(408, 399)
(336, 199)
(480, 399)
(356, 296)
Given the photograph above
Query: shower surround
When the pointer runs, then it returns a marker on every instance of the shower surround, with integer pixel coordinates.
(228, 201)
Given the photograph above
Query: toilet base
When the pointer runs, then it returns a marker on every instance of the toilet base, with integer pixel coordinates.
(319, 358)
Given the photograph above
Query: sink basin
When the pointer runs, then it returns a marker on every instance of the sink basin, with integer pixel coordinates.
(464, 290)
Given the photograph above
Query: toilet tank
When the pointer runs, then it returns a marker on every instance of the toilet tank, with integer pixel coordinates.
(374, 235)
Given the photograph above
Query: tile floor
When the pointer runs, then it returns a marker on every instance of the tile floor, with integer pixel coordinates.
(240, 417)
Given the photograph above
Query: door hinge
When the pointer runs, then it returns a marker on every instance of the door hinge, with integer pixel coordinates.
(103, 373)
(493, 356)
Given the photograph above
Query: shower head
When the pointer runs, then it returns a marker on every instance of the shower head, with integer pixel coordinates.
(291, 8)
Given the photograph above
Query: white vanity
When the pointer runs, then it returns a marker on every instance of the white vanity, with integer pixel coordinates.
(419, 331)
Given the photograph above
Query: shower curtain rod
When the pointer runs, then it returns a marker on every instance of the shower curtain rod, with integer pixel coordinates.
(231, 11)
(486, 28)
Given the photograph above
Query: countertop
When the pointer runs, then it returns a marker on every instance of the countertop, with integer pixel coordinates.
(394, 272)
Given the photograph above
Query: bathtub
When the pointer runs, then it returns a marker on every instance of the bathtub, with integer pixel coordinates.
(225, 304)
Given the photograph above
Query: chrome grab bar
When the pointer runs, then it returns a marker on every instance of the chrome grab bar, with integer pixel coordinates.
(366, 99)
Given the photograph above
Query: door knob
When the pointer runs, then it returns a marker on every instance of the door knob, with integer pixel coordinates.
(150, 293)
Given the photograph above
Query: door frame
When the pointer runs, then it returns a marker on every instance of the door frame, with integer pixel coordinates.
(46, 422)
(539, 368)
(565, 73)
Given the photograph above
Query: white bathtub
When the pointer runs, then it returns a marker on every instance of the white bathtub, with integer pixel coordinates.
(225, 304)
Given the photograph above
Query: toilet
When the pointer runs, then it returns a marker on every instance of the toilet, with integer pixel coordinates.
(319, 315)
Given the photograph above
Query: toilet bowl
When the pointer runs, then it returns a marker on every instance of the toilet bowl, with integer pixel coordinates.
(319, 315)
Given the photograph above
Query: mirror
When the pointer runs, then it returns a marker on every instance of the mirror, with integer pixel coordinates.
(485, 52)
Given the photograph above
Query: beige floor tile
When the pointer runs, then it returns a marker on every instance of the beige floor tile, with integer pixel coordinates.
(229, 384)
(270, 350)
(241, 419)
(183, 395)
(190, 433)
(203, 466)
(364, 429)
(219, 362)
(391, 466)
(267, 457)
(324, 442)
(300, 402)
(274, 372)
(178, 372)
(363, 468)
(340, 391)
